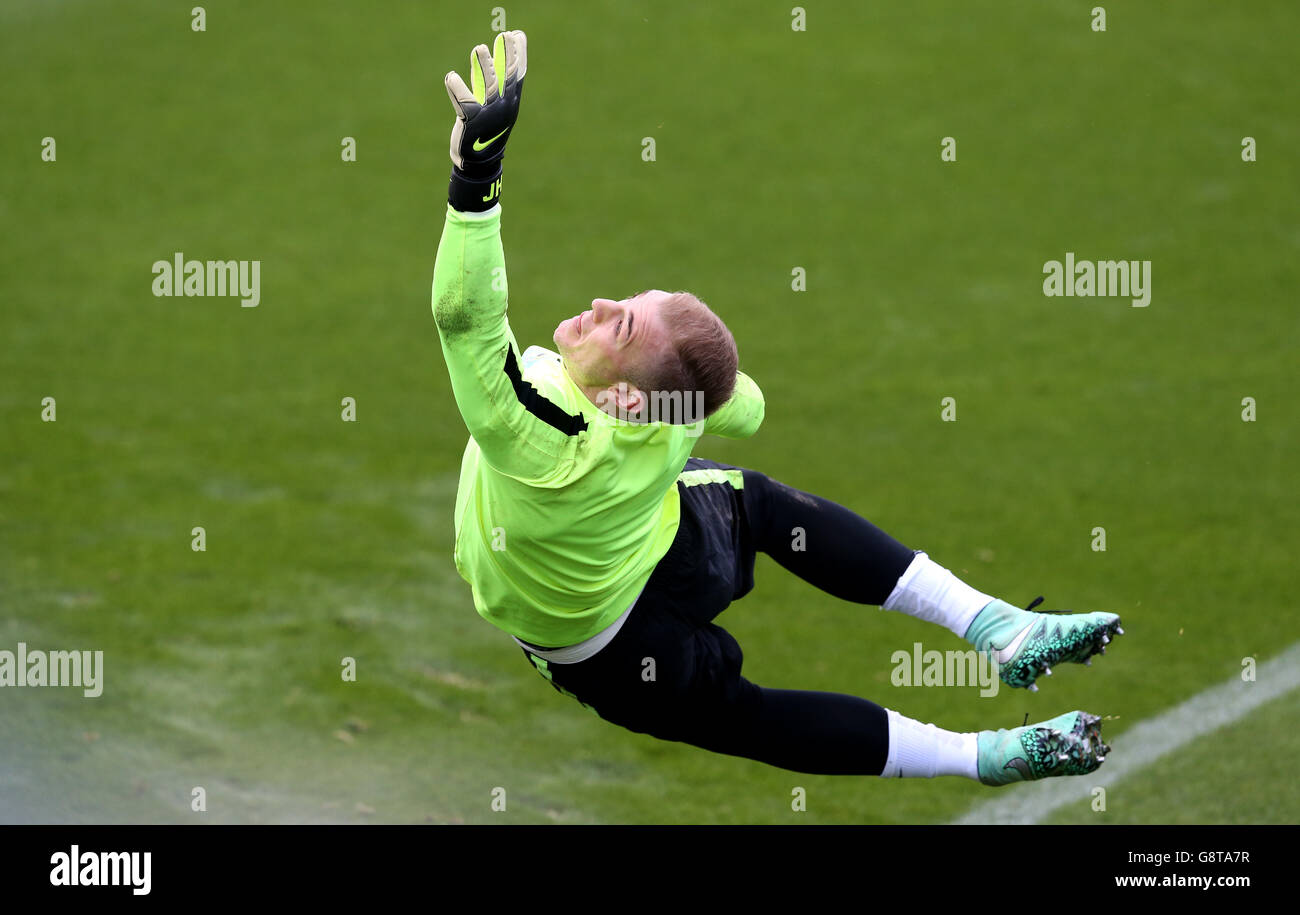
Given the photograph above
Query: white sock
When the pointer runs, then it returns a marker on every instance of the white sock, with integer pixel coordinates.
(930, 592)
(923, 751)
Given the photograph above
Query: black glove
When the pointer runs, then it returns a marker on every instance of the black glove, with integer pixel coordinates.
(484, 117)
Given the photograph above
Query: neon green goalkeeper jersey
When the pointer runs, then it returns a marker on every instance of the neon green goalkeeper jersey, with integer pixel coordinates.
(562, 510)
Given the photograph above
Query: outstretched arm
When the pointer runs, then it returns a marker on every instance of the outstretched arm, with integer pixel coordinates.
(469, 277)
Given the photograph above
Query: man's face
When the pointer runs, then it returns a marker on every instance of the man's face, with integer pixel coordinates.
(599, 346)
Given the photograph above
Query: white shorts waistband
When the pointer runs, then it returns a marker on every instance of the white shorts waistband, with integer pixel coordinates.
(585, 649)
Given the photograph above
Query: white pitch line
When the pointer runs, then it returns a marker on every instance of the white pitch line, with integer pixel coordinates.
(1146, 742)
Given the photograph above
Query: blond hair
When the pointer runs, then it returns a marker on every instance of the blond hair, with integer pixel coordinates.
(701, 361)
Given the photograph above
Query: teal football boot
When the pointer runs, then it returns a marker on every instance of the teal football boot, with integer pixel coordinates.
(1069, 744)
(1026, 644)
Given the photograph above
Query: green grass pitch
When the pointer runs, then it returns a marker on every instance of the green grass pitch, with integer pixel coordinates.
(775, 149)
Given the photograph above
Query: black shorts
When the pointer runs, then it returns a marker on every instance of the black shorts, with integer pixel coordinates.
(670, 669)
(671, 672)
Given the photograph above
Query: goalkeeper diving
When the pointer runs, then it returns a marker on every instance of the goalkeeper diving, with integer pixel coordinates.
(591, 536)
